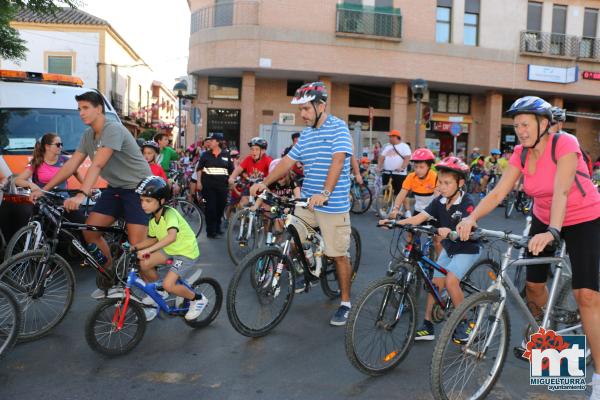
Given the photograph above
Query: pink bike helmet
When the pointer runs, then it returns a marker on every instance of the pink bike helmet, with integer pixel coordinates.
(422, 154)
(453, 164)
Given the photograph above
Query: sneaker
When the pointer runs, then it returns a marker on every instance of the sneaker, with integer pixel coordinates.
(196, 308)
(151, 313)
(111, 293)
(462, 332)
(425, 333)
(300, 284)
(340, 317)
(149, 301)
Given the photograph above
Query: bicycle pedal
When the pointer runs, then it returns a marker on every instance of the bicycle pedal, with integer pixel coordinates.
(518, 352)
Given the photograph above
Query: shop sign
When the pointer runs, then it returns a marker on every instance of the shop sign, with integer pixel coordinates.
(446, 126)
(544, 73)
(595, 76)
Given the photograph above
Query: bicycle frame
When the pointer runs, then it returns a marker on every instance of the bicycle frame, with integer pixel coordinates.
(504, 286)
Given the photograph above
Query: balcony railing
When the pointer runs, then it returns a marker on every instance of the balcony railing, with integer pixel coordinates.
(368, 21)
(559, 45)
(225, 14)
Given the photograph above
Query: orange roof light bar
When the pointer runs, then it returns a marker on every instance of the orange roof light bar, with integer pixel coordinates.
(23, 76)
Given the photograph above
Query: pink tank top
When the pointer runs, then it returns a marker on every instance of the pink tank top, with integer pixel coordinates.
(540, 185)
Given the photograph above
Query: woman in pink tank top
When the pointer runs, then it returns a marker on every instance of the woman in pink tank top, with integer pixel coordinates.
(566, 206)
(45, 163)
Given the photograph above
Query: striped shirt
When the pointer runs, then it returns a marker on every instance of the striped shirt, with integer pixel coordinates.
(315, 150)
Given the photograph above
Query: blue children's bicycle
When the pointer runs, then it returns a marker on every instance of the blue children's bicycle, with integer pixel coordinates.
(117, 325)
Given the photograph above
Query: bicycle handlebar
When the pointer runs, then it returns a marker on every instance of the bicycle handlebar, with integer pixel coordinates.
(427, 229)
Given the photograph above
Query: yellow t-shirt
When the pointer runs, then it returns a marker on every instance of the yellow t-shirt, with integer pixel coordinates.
(185, 244)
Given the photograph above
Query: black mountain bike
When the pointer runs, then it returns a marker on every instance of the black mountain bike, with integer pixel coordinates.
(42, 280)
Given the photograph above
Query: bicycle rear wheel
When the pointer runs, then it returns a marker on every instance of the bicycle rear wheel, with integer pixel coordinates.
(375, 342)
(44, 300)
(192, 214)
(470, 370)
(510, 204)
(102, 333)
(258, 299)
(480, 276)
(211, 289)
(241, 237)
(29, 237)
(10, 319)
(329, 279)
(361, 199)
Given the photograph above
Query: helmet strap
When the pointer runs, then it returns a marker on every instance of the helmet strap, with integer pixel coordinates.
(539, 135)
(318, 115)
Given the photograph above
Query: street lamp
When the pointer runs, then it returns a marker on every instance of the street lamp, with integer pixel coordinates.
(181, 89)
(418, 87)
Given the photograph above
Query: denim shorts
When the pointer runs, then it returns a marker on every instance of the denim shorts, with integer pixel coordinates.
(122, 203)
(458, 264)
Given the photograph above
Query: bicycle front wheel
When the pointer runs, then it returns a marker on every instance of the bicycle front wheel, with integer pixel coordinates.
(192, 214)
(381, 327)
(10, 319)
(258, 297)
(103, 334)
(469, 368)
(43, 287)
(329, 277)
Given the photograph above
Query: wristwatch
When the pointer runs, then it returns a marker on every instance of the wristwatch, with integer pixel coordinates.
(325, 193)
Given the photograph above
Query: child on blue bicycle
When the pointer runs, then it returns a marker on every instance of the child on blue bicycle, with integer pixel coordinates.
(456, 257)
(169, 238)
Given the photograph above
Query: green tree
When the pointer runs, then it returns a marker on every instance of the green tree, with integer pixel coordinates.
(12, 47)
(148, 134)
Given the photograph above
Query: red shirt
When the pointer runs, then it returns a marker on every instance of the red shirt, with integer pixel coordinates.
(158, 171)
(256, 169)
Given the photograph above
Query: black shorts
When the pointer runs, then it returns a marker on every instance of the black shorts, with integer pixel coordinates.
(583, 247)
(397, 181)
(122, 203)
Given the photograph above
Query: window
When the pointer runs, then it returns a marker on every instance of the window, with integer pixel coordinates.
(60, 65)
(588, 47)
(380, 124)
(292, 86)
(471, 23)
(442, 25)
(559, 26)
(471, 28)
(370, 96)
(223, 13)
(534, 16)
(224, 88)
(450, 103)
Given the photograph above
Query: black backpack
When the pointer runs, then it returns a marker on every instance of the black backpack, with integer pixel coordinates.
(586, 158)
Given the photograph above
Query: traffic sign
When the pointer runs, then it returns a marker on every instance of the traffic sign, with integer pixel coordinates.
(195, 116)
(455, 129)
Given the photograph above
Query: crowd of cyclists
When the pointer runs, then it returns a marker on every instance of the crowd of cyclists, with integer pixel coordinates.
(548, 166)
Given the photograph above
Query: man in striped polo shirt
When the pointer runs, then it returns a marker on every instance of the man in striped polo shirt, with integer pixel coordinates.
(325, 149)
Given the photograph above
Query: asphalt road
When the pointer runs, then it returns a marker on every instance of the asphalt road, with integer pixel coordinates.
(303, 358)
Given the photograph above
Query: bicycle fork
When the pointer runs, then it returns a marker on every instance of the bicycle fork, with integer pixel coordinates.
(120, 312)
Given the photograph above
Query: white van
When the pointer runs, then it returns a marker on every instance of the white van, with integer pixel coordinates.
(32, 104)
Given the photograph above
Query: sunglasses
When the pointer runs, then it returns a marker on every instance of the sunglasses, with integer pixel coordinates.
(56, 144)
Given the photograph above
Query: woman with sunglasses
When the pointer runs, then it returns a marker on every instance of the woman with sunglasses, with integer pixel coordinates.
(45, 163)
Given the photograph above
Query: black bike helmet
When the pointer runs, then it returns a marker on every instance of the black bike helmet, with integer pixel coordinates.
(152, 144)
(258, 141)
(155, 187)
